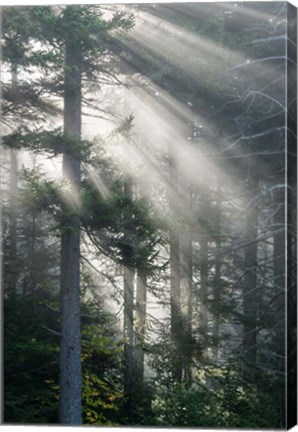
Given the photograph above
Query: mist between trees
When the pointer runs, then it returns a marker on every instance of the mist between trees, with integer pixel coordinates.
(149, 214)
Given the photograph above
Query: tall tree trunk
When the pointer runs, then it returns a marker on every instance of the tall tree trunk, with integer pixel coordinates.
(186, 279)
(204, 216)
(175, 294)
(129, 277)
(128, 327)
(13, 221)
(140, 326)
(203, 285)
(13, 202)
(250, 290)
(176, 324)
(70, 349)
(186, 304)
(217, 275)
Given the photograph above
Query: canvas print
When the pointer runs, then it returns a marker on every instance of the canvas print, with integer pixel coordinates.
(148, 187)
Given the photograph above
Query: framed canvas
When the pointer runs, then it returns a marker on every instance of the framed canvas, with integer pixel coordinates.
(148, 212)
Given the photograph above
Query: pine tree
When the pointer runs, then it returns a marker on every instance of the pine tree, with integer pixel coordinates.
(81, 50)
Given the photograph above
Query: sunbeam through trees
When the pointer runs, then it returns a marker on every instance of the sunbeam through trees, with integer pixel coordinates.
(148, 183)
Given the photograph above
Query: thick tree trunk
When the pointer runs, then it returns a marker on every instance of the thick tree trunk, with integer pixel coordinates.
(70, 349)
(250, 290)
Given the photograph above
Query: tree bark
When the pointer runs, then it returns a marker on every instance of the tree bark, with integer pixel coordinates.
(129, 276)
(13, 221)
(128, 327)
(203, 285)
(175, 293)
(186, 280)
(176, 330)
(140, 326)
(70, 348)
(217, 275)
(186, 304)
(13, 202)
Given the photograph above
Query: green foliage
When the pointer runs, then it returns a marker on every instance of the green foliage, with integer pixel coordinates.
(26, 48)
(232, 403)
(181, 406)
(102, 384)
(18, 34)
(165, 355)
(120, 227)
(85, 25)
(30, 362)
(243, 404)
(53, 142)
(39, 195)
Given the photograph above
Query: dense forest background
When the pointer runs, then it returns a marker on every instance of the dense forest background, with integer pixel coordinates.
(149, 214)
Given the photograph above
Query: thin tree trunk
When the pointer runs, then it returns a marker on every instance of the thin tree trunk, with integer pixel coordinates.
(13, 202)
(203, 285)
(140, 326)
(217, 275)
(33, 242)
(186, 303)
(13, 221)
(129, 281)
(186, 279)
(250, 290)
(176, 330)
(70, 349)
(175, 293)
(204, 216)
(129, 276)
